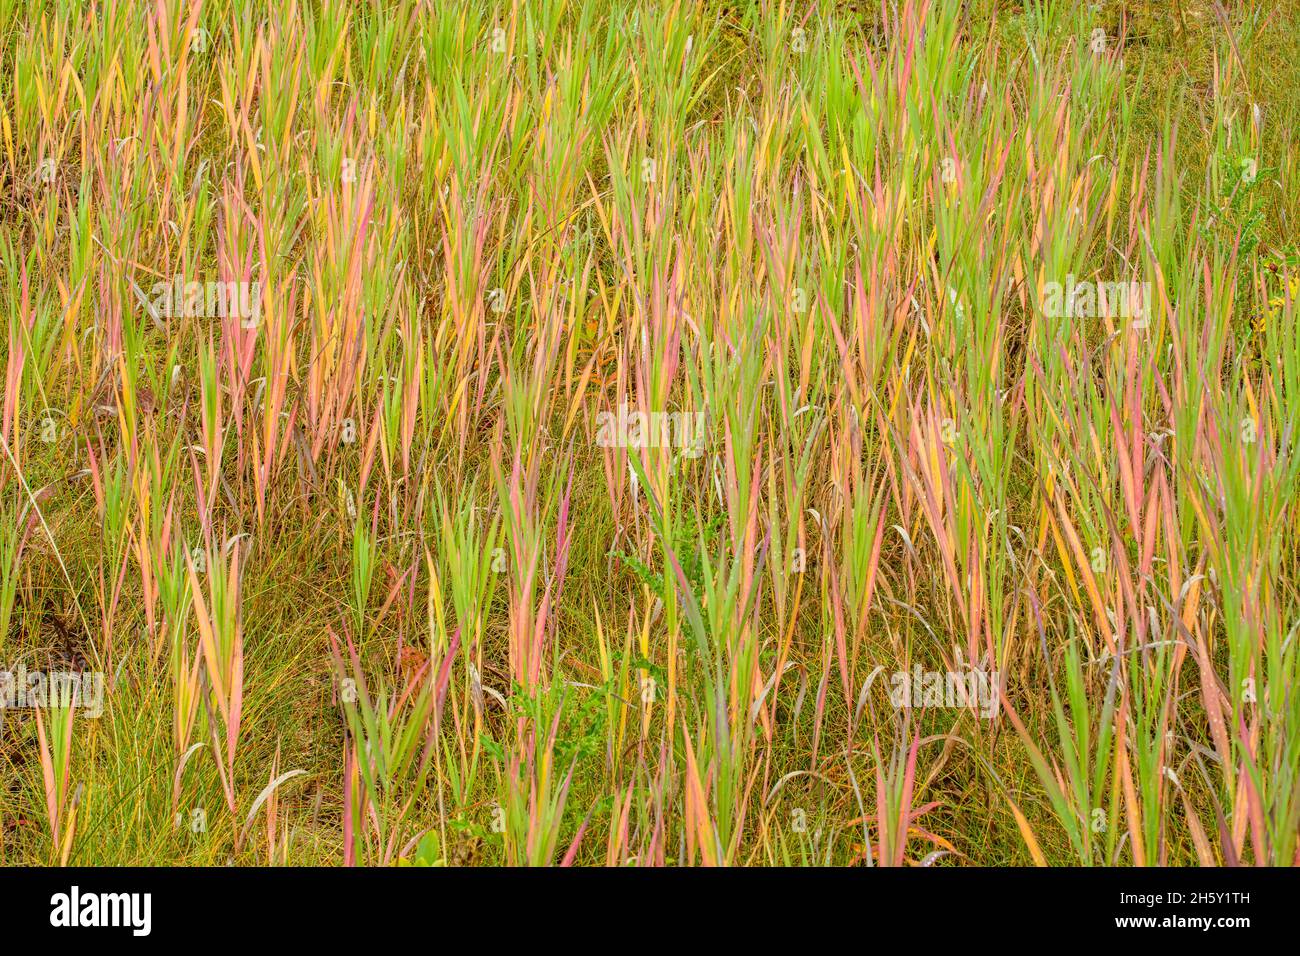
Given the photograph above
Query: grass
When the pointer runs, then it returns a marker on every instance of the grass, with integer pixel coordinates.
(964, 566)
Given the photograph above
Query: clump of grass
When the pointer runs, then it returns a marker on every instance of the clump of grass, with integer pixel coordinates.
(628, 399)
